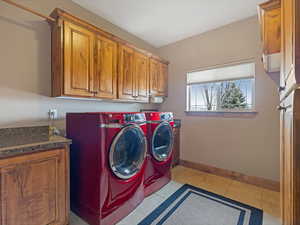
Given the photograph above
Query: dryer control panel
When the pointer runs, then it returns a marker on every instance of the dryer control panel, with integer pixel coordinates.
(134, 118)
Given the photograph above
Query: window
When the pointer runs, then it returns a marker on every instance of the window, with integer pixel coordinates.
(228, 88)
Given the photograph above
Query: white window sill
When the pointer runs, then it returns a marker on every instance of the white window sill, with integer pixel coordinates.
(247, 114)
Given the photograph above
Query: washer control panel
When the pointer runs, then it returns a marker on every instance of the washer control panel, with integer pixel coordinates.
(166, 116)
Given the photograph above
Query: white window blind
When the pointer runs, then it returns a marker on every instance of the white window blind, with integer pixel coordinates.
(235, 72)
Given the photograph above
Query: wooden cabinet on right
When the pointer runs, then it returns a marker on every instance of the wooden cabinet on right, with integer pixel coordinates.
(289, 156)
(290, 112)
(158, 78)
(270, 20)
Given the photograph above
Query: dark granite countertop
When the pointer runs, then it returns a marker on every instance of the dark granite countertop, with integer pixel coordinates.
(16, 141)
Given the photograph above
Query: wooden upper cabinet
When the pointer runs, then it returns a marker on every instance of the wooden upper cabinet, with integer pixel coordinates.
(133, 80)
(34, 189)
(78, 60)
(91, 63)
(126, 80)
(158, 78)
(270, 20)
(105, 79)
(141, 71)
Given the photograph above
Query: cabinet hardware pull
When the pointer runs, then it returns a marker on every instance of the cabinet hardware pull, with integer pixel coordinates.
(281, 108)
(281, 88)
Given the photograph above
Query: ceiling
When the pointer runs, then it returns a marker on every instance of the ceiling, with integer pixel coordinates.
(161, 22)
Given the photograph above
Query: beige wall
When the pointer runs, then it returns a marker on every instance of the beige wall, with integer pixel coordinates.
(247, 145)
(26, 64)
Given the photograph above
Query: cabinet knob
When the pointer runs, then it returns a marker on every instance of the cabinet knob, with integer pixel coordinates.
(281, 108)
(281, 88)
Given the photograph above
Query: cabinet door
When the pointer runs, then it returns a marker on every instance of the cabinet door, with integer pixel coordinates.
(287, 69)
(141, 63)
(286, 164)
(105, 79)
(34, 189)
(158, 78)
(126, 82)
(290, 163)
(78, 60)
(154, 77)
(272, 31)
(163, 80)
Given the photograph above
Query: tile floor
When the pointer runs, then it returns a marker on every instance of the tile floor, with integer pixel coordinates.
(252, 195)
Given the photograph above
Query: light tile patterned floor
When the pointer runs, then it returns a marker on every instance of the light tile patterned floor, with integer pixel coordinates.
(245, 193)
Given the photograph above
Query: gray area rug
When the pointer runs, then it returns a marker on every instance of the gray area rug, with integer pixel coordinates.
(194, 206)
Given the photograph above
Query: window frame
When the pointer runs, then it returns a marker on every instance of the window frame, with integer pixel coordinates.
(188, 92)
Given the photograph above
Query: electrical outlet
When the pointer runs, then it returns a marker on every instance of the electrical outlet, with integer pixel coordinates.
(53, 115)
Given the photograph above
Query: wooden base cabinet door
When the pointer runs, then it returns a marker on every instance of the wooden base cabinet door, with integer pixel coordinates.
(78, 60)
(106, 68)
(141, 71)
(34, 189)
(290, 159)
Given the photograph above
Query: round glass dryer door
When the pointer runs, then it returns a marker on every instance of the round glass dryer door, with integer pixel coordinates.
(128, 151)
(162, 141)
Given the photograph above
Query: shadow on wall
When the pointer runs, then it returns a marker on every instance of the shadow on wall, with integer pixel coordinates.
(27, 63)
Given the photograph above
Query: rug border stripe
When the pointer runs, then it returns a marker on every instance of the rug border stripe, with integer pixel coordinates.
(256, 217)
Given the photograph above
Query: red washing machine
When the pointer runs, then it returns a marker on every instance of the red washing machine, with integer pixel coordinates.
(107, 164)
(159, 157)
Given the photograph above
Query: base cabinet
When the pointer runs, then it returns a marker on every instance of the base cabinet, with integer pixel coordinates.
(290, 159)
(34, 189)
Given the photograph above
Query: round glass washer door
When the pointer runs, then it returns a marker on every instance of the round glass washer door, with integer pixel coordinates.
(162, 141)
(128, 151)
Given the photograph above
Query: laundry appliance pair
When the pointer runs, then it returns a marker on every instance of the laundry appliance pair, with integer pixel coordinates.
(116, 160)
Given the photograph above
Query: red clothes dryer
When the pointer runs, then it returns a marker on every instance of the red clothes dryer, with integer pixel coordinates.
(107, 164)
(160, 144)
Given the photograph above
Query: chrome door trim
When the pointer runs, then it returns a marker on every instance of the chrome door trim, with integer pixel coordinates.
(112, 150)
(171, 141)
